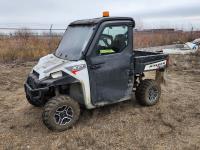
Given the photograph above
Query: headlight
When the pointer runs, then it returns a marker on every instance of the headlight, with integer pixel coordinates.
(57, 74)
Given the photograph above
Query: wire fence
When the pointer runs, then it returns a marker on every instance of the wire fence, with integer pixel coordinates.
(44, 32)
(142, 38)
(32, 43)
(47, 38)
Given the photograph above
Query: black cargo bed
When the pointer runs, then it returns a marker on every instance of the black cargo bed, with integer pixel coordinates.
(143, 58)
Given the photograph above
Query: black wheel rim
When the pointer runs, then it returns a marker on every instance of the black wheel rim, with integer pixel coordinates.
(63, 115)
(153, 94)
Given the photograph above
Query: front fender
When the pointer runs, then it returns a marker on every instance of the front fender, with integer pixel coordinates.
(66, 79)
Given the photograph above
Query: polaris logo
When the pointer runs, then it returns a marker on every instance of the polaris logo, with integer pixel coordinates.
(77, 68)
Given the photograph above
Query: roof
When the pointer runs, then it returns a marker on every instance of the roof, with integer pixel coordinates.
(100, 20)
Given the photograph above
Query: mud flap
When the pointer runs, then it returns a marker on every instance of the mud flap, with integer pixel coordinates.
(161, 76)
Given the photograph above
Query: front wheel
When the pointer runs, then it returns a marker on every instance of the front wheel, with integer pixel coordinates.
(60, 113)
(148, 92)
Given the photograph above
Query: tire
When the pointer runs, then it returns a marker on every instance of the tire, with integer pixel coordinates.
(148, 92)
(60, 113)
(36, 103)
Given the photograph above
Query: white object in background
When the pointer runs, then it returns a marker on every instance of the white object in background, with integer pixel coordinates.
(179, 51)
(189, 48)
(191, 45)
(196, 41)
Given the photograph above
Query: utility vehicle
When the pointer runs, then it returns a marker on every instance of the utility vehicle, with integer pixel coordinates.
(94, 65)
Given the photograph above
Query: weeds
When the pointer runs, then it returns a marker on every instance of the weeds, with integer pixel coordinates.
(24, 46)
(148, 39)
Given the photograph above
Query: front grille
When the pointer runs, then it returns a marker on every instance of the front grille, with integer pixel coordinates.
(31, 82)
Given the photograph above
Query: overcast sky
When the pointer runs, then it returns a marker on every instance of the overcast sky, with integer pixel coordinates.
(148, 13)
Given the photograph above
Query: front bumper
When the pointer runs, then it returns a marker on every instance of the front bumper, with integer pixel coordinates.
(35, 94)
(41, 89)
(35, 89)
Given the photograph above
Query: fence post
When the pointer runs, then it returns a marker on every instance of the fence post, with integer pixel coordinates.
(50, 38)
(191, 34)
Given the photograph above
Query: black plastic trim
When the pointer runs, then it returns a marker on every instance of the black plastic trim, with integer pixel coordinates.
(100, 20)
(37, 92)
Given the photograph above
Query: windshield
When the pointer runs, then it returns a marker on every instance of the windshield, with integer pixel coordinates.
(74, 42)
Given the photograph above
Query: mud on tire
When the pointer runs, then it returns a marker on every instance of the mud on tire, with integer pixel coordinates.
(148, 92)
(60, 113)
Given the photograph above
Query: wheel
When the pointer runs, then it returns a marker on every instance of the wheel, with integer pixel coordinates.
(148, 92)
(60, 113)
(36, 103)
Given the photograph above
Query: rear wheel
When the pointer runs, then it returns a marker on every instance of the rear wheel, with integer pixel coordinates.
(60, 113)
(148, 92)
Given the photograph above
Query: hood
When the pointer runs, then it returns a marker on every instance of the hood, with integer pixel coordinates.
(49, 64)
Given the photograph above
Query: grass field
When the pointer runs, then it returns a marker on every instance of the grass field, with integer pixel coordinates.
(26, 49)
(173, 123)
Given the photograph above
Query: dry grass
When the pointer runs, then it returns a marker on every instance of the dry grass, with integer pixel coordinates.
(173, 123)
(149, 39)
(24, 46)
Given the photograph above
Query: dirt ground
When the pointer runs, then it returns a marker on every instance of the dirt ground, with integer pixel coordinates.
(174, 123)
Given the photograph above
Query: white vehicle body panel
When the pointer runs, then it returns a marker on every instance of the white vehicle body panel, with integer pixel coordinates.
(51, 64)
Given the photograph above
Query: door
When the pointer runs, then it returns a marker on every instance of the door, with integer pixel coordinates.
(109, 66)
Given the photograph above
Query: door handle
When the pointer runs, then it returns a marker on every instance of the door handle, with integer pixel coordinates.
(96, 66)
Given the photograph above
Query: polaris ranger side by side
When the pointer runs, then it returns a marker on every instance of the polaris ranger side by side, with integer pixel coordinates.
(94, 65)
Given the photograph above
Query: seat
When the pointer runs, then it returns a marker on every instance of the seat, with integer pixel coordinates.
(119, 43)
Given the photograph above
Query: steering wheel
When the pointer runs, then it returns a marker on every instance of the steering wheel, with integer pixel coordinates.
(105, 38)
